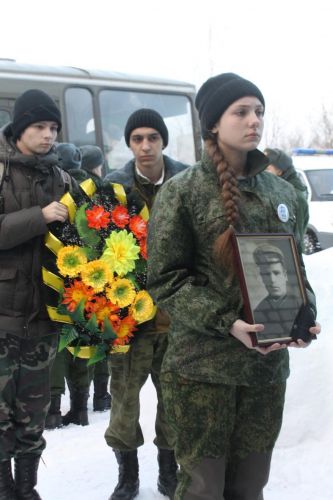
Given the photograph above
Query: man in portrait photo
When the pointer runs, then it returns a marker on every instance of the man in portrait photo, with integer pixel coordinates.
(277, 311)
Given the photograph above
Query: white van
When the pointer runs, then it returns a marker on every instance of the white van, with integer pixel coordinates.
(315, 169)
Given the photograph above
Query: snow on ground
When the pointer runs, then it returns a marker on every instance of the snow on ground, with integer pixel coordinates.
(80, 466)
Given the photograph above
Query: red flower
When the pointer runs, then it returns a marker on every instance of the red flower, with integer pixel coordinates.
(143, 248)
(138, 227)
(74, 293)
(97, 217)
(120, 216)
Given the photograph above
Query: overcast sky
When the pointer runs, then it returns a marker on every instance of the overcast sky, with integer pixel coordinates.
(284, 46)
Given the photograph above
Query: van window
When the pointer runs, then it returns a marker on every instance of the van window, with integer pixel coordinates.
(4, 117)
(80, 117)
(321, 182)
(117, 105)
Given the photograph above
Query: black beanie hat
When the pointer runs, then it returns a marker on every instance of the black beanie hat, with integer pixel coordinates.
(69, 156)
(146, 117)
(279, 159)
(92, 157)
(31, 107)
(216, 95)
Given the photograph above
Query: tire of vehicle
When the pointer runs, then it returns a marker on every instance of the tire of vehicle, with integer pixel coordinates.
(310, 243)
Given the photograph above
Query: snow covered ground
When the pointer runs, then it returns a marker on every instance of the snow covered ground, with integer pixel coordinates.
(80, 466)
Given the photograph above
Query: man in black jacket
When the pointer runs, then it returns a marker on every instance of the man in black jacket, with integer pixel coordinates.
(147, 135)
(30, 185)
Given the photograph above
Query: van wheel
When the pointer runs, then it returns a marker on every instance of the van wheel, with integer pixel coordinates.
(310, 243)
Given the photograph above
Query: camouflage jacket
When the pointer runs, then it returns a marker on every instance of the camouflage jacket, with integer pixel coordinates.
(183, 278)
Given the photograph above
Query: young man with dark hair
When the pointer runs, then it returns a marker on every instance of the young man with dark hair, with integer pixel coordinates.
(30, 186)
(146, 135)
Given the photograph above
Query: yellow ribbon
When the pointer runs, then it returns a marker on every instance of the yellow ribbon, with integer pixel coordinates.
(144, 213)
(68, 201)
(119, 349)
(52, 280)
(52, 243)
(119, 192)
(55, 316)
(89, 187)
(85, 352)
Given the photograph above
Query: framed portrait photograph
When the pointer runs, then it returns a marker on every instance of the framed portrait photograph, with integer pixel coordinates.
(272, 287)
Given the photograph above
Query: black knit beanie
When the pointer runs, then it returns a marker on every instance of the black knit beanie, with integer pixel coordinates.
(216, 95)
(278, 158)
(146, 117)
(31, 107)
(92, 157)
(69, 156)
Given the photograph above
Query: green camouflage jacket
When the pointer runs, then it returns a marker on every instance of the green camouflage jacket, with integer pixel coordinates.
(183, 278)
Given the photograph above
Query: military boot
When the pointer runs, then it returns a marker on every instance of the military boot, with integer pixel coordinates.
(78, 413)
(167, 478)
(102, 398)
(26, 468)
(53, 417)
(7, 486)
(128, 480)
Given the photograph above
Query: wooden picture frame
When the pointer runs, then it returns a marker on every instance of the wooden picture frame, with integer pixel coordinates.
(272, 286)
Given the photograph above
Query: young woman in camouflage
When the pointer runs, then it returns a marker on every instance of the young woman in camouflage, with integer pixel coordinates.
(223, 397)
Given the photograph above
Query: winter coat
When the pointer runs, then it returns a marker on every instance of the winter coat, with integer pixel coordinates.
(128, 178)
(29, 183)
(147, 191)
(184, 279)
(290, 175)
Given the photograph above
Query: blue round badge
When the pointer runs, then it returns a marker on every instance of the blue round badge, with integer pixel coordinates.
(283, 212)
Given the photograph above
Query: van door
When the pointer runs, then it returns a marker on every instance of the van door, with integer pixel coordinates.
(6, 111)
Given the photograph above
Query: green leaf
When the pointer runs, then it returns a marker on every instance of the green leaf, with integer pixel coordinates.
(68, 334)
(92, 325)
(78, 314)
(108, 333)
(88, 235)
(100, 354)
(91, 253)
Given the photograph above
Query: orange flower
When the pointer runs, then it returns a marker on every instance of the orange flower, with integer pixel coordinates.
(143, 248)
(125, 330)
(103, 308)
(97, 217)
(138, 227)
(120, 216)
(74, 293)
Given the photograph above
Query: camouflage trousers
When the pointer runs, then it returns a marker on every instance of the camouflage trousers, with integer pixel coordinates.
(129, 372)
(76, 372)
(224, 436)
(24, 393)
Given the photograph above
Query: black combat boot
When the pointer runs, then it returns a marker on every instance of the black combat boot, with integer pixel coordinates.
(167, 477)
(26, 468)
(128, 480)
(102, 398)
(7, 486)
(78, 413)
(53, 417)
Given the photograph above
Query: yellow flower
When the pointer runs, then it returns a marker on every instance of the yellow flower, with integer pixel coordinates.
(121, 252)
(143, 308)
(96, 274)
(121, 292)
(70, 259)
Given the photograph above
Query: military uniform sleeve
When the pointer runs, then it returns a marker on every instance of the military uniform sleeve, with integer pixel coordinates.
(171, 277)
(21, 226)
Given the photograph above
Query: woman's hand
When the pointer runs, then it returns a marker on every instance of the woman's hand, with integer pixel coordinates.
(314, 330)
(241, 331)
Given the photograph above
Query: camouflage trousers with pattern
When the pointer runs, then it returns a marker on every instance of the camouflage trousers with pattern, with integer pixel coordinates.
(129, 372)
(24, 393)
(224, 436)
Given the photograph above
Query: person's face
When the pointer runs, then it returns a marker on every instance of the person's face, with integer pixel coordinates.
(38, 138)
(241, 125)
(272, 169)
(98, 170)
(147, 146)
(275, 279)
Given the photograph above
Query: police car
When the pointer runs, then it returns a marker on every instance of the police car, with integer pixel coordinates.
(315, 169)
